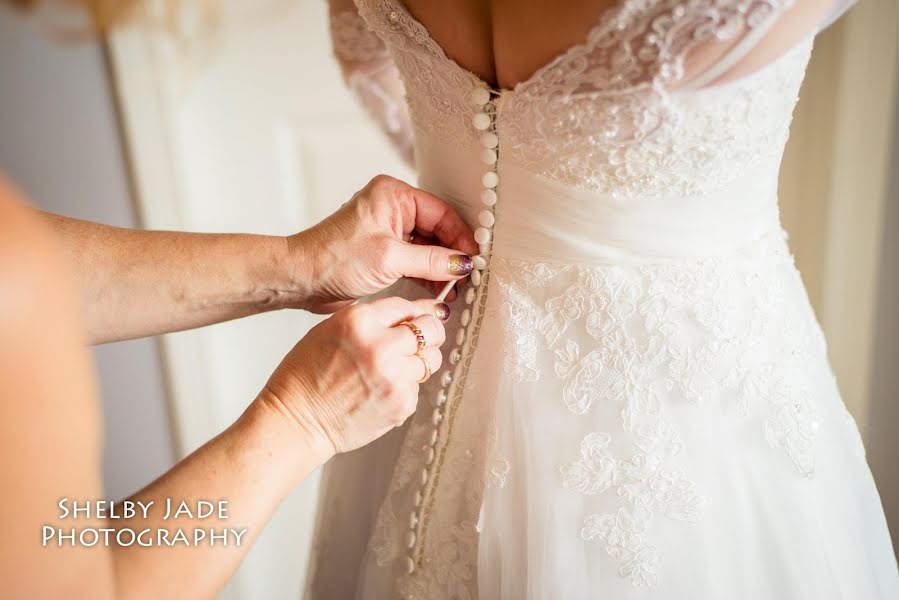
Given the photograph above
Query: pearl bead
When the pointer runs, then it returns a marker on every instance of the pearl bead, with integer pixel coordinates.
(488, 156)
(481, 121)
(466, 317)
(410, 565)
(460, 337)
(480, 96)
(490, 179)
(436, 416)
(424, 476)
(489, 139)
(482, 235)
(447, 378)
(469, 296)
(441, 397)
(488, 197)
(479, 262)
(475, 280)
(410, 539)
(455, 356)
(413, 520)
(486, 218)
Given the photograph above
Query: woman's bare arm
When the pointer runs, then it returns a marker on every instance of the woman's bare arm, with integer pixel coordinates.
(136, 283)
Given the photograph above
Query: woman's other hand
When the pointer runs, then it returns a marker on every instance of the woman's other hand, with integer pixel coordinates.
(355, 376)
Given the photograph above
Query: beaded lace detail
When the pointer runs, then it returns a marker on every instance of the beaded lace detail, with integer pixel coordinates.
(606, 115)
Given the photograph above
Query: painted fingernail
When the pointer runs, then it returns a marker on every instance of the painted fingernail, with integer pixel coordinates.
(459, 264)
(442, 310)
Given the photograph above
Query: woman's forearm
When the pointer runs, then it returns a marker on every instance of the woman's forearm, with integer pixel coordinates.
(136, 283)
(252, 466)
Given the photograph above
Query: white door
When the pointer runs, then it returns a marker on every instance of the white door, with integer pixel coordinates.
(246, 128)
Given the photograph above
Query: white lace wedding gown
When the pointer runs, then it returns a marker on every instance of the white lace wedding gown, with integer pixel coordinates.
(636, 401)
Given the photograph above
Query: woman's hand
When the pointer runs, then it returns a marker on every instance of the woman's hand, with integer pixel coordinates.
(355, 375)
(364, 247)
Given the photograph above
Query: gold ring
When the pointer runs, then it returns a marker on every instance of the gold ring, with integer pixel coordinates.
(419, 336)
(424, 361)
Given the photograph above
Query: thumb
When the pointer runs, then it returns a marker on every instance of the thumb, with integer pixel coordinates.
(433, 263)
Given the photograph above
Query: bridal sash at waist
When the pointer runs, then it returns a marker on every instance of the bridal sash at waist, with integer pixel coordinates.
(541, 219)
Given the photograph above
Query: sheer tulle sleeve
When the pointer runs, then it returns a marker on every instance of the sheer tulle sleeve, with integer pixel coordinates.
(369, 72)
(769, 29)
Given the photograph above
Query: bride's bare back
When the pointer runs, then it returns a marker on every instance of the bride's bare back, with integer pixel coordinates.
(505, 41)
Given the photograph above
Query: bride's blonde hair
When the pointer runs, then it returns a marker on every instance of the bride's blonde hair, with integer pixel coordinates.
(103, 15)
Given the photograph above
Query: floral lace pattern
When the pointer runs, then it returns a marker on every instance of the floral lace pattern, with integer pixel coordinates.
(353, 39)
(436, 90)
(694, 332)
(645, 486)
(601, 116)
(690, 331)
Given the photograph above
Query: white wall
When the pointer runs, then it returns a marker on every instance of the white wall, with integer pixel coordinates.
(59, 143)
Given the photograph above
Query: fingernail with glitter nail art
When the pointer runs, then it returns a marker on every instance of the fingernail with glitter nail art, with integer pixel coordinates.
(442, 310)
(459, 265)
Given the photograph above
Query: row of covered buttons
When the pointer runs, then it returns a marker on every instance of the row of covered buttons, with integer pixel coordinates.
(484, 122)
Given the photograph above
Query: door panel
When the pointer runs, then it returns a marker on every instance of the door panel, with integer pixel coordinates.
(247, 129)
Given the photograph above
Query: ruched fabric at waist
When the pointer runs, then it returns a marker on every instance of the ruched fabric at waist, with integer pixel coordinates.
(546, 220)
(540, 218)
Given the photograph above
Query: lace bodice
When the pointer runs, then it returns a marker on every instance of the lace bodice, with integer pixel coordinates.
(614, 114)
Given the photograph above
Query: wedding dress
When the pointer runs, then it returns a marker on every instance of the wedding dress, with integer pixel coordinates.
(636, 400)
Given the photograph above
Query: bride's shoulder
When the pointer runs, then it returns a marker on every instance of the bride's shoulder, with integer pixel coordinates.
(748, 35)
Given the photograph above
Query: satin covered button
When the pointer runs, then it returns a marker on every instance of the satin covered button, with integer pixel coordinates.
(480, 96)
(481, 121)
(482, 235)
(486, 218)
(490, 179)
(489, 139)
(455, 356)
